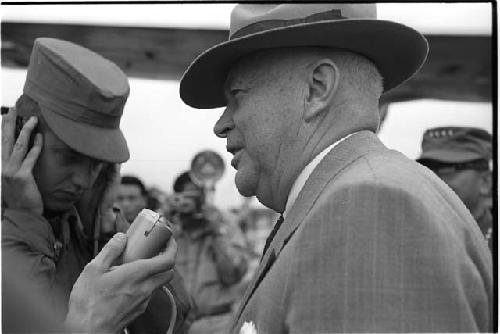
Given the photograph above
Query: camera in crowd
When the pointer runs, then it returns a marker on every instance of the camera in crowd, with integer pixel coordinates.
(187, 202)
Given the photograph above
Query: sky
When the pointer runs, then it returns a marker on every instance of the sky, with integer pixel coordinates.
(164, 134)
(464, 18)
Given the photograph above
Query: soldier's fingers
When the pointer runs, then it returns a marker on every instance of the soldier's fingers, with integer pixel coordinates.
(33, 154)
(160, 279)
(111, 251)
(165, 260)
(22, 142)
(161, 263)
(8, 134)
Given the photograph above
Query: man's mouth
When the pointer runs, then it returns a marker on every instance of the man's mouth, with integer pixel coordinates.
(233, 149)
(70, 195)
(236, 159)
(236, 152)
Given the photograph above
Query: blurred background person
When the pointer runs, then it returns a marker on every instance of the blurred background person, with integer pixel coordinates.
(132, 196)
(100, 216)
(155, 199)
(461, 157)
(211, 256)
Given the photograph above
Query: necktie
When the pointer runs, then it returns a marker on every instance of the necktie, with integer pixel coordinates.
(271, 235)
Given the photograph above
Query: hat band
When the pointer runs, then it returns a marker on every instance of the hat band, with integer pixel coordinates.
(254, 28)
(72, 110)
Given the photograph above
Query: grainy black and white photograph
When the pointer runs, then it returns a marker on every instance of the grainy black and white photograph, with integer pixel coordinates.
(206, 168)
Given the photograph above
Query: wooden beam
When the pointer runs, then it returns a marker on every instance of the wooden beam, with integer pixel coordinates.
(154, 53)
(458, 67)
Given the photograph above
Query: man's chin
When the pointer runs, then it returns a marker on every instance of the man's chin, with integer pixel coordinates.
(59, 207)
(245, 183)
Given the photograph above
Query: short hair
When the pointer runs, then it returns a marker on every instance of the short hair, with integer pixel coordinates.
(134, 180)
(27, 107)
(181, 181)
(357, 71)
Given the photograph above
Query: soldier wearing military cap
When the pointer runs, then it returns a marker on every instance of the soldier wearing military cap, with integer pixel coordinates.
(62, 135)
(461, 156)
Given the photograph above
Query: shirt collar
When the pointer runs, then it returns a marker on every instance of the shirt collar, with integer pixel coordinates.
(301, 180)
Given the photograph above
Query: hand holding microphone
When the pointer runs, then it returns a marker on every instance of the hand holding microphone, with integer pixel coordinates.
(107, 297)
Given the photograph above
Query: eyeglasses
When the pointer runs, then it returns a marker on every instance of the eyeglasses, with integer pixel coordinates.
(447, 168)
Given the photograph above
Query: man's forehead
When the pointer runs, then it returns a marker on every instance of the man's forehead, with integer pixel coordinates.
(260, 64)
(253, 66)
(242, 71)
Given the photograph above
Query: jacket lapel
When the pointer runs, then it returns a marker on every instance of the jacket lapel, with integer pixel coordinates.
(341, 156)
(337, 159)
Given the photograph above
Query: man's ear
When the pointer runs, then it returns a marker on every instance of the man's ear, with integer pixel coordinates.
(485, 183)
(323, 79)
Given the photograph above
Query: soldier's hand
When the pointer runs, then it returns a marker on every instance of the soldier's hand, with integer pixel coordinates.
(19, 189)
(106, 298)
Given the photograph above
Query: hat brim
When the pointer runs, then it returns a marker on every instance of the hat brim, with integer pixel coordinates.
(103, 144)
(398, 52)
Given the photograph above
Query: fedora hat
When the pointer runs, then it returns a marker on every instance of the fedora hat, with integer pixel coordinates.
(397, 50)
(81, 96)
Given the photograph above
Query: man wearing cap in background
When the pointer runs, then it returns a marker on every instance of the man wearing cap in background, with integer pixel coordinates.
(63, 132)
(369, 241)
(461, 157)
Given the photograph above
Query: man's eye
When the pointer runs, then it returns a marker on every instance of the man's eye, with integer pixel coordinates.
(446, 170)
(68, 158)
(236, 91)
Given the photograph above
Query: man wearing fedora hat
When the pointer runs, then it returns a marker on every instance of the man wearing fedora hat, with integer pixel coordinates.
(62, 134)
(368, 240)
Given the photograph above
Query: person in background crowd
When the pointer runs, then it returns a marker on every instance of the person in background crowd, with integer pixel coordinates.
(211, 256)
(52, 156)
(98, 212)
(155, 199)
(369, 240)
(132, 196)
(461, 157)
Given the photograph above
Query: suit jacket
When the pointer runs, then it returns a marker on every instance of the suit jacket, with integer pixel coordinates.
(374, 243)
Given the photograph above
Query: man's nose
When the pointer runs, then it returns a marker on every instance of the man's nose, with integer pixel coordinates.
(224, 124)
(125, 203)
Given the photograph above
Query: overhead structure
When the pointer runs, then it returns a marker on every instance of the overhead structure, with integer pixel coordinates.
(458, 68)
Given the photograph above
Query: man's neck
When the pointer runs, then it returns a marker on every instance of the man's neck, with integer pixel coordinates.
(48, 214)
(305, 154)
(302, 178)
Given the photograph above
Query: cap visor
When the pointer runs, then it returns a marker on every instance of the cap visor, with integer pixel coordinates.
(448, 156)
(99, 143)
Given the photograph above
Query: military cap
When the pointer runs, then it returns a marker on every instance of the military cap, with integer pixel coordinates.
(81, 96)
(455, 145)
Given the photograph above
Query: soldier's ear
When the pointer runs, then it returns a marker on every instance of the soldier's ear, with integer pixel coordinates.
(485, 183)
(323, 78)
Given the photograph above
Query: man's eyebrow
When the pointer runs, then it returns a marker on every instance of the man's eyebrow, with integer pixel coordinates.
(227, 84)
